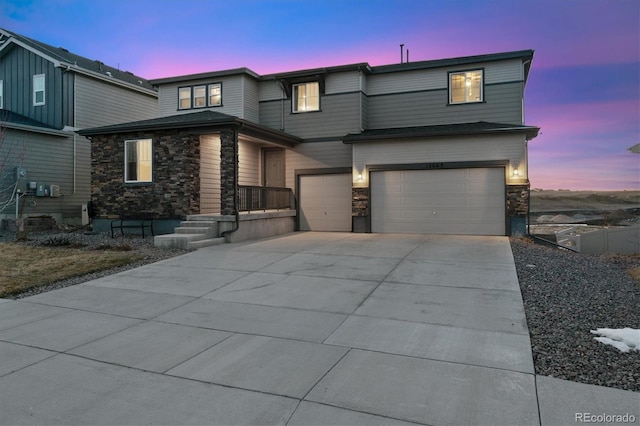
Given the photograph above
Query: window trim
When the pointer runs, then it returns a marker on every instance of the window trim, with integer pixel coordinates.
(38, 78)
(1, 94)
(180, 107)
(209, 86)
(482, 84)
(294, 99)
(192, 96)
(126, 170)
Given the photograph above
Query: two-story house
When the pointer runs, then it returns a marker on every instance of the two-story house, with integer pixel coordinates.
(427, 147)
(46, 94)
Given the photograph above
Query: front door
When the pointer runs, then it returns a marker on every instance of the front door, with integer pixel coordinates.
(274, 168)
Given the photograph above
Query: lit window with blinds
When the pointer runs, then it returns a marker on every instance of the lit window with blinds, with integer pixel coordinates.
(306, 97)
(465, 87)
(138, 160)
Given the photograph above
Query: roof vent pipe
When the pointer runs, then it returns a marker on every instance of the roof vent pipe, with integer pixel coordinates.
(402, 53)
(407, 55)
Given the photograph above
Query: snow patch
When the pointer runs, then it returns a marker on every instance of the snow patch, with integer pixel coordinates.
(623, 339)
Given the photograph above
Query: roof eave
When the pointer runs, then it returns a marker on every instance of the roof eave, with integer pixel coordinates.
(529, 131)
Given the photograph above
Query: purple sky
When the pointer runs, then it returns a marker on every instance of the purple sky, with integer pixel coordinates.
(583, 90)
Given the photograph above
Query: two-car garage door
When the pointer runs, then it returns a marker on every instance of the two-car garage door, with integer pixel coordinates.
(443, 201)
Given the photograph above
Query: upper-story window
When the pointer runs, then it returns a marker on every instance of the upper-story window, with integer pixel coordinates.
(306, 97)
(138, 160)
(38, 89)
(466, 87)
(201, 96)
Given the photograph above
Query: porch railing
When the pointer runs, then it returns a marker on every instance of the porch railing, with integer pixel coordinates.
(252, 198)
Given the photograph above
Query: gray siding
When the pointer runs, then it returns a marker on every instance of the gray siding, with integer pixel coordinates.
(503, 104)
(17, 68)
(471, 148)
(342, 82)
(251, 105)
(99, 103)
(50, 160)
(316, 155)
(339, 115)
(234, 99)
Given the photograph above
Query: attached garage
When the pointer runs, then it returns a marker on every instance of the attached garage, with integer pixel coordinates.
(468, 201)
(325, 202)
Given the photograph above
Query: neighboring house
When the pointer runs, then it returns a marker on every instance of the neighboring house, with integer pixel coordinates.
(46, 95)
(429, 147)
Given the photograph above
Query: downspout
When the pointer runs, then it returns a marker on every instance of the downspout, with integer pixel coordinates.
(235, 188)
(75, 142)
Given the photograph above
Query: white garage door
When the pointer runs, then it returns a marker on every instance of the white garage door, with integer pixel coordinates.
(446, 201)
(325, 202)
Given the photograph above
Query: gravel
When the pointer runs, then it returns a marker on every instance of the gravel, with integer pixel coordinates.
(568, 294)
(565, 294)
(88, 241)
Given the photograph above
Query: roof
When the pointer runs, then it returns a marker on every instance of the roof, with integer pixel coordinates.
(480, 127)
(17, 121)
(203, 120)
(65, 57)
(524, 55)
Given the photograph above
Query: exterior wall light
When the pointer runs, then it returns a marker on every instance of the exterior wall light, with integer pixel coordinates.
(360, 178)
(516, 173)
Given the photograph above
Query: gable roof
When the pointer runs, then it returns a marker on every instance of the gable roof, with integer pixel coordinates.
(480, 127)
(202, 120)
(62, 57)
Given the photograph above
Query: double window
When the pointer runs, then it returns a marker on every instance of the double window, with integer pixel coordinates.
(306, 97)
(201, 96)
(138, 160)
(466, 87)
(38, 89)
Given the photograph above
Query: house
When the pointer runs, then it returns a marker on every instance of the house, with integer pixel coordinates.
(428, 147)
(46, 94)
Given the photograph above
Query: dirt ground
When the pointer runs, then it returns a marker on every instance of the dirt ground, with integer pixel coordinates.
(586, 211)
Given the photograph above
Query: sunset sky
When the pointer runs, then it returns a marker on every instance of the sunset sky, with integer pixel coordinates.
(583, 90)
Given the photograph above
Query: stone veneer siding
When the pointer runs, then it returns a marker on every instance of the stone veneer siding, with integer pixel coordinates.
(228, 171)
(518, 200)
(359, 202)
(175, 190)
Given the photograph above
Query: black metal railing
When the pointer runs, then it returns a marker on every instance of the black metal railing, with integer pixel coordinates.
(253, 198)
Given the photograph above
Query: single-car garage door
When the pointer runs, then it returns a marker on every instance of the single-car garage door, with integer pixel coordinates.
(444, 201)
(325, 202)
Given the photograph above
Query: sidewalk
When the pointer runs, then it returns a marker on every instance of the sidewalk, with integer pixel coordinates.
(304, 329)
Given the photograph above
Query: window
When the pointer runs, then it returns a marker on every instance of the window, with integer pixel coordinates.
(465, 87)
(38, 89)
(137, 160)
(184, 98)
(215, 94)
(306, 97)
(1, 95)
(200, 96)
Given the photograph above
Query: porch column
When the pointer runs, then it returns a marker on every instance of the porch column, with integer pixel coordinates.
(228, 170)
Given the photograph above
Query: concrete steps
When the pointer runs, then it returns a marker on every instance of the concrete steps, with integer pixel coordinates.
(191, 235)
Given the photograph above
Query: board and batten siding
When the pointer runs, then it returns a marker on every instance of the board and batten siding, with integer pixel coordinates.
(99, 104)
(235, 101)
(460, 149)
(50, 160)
(316, 155)
(209, 174)
(17, 68)
(502, 104)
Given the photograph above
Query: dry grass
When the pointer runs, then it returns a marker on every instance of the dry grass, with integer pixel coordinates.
(23, 267)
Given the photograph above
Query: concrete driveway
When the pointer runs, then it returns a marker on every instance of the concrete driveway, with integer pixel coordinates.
(304, 329)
